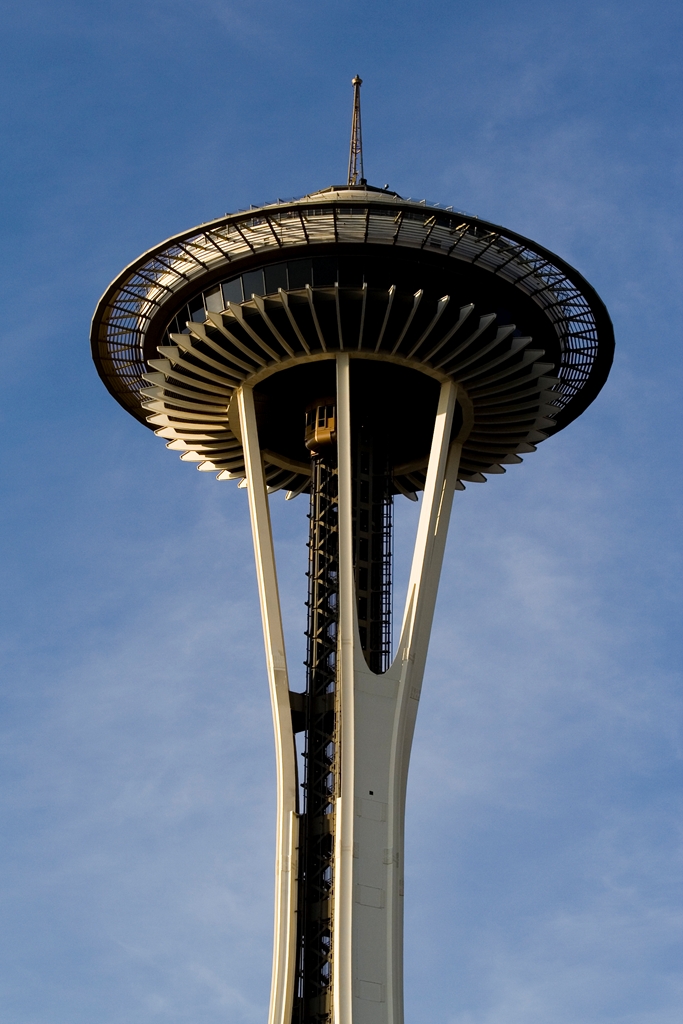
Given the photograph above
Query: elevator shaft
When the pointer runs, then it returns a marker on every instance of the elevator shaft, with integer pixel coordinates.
(372, 522)
(322, 767)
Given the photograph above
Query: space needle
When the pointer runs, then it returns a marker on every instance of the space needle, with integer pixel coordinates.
(359, 348)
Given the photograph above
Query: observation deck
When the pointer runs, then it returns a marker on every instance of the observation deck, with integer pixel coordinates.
(417, 295)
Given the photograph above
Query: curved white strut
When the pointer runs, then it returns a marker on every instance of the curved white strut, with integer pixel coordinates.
(284, 945)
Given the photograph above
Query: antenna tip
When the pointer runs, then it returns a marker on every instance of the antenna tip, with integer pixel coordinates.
(357, 80)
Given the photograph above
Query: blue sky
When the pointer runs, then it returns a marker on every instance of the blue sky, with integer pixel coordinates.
(137, 791)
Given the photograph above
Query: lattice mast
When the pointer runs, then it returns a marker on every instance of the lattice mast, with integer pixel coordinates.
(356, 173)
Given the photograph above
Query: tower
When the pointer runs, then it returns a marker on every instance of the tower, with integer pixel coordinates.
(358, 348)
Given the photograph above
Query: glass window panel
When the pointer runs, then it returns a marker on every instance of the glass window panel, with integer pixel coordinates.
(183, 316)
(253, 283)
(213, 300)
(232, 291)
(300, 273)
(196, 309)
(379, 273)
(324, 271)
(350, 272)
(276, 277)
(175, 327)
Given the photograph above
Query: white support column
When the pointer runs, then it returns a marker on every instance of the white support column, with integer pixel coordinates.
(377, 722)
(410, 659)
(284, 952)
(442, 474)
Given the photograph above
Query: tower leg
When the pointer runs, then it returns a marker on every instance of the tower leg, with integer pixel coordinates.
(284, 951)
(377, 723)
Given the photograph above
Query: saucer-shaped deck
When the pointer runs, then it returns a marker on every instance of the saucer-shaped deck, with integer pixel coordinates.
(416, 295)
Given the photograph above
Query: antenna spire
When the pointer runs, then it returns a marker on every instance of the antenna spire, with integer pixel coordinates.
(356, 175)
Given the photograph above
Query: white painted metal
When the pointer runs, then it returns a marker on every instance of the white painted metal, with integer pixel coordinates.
(377, 723)
(284, 951)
